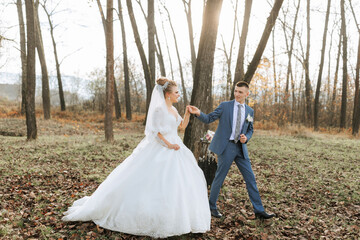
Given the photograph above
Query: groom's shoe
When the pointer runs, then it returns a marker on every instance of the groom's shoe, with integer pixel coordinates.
(215, 213)
(263, 215)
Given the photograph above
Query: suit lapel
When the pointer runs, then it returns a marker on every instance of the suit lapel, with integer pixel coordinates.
(231, 113)
(245, 122)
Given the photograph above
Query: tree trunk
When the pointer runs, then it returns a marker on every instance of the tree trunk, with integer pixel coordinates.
(356, 113)
(239, 70)
(187, 7)
(345, 74)
(22, 54)
(30, 71)
(58, 72)
(317, 94)
(262, 44)
(332, 104)
(151, 38)
(117, 102)
(44, 72)
(179, 59)
(160, 55)
(306, 65)
(126, 66)
(201, 95)
(274, 67)
(168, 50)
(149, 81)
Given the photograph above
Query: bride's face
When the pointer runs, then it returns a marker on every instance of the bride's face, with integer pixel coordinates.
(173, 95)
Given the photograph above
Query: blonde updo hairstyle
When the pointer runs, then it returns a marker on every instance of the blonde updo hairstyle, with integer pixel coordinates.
(171, 83)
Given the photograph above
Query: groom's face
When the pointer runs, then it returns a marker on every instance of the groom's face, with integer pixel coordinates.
(241, 93)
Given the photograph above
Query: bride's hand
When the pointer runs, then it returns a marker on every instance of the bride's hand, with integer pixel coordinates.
(174, 146)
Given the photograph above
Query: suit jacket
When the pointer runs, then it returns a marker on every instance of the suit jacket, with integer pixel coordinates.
(224, 112)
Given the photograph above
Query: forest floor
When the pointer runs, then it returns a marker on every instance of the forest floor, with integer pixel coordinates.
(310, 181)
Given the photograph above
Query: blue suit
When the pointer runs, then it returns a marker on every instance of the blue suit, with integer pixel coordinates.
(229, 151)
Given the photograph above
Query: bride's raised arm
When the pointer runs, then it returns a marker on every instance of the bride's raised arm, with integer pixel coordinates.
(185, 120)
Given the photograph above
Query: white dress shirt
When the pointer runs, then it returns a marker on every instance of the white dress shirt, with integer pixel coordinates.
(242, 108)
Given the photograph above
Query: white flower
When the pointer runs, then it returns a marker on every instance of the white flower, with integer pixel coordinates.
(209, 135)
(249, 118)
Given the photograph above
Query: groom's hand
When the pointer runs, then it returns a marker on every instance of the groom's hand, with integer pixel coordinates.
(193, 110)
(243, 138)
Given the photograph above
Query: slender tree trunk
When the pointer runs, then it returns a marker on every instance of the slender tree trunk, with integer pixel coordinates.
(160, 55)
(22, 54)
(117, 102)
(168, 50)
(356, 113)
(274, 67)
(345, 74)
(239, 69)
(58, 72)
(149, 81)
(317, 94)
(30, 71)
(306, 65)
(187, 7)
(126, 65)
(44, 72)
(179, 59)
(151, 38)
(201, 95)
(263, 41)
(332, 104)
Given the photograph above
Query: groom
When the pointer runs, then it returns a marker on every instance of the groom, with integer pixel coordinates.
(229, 143)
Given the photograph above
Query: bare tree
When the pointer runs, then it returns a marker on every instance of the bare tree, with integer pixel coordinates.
(30, 71)
(151, 37)
(317, 94)
(148, 79)
(263, 41)
(345, 74)
(22, 54)
(239, 70)
(178, 57)
(187, 8)
(356, 111)
(201, 94)
(44, 73)
(57, 63)
(109, 40)
(125, 62)
(306, 65)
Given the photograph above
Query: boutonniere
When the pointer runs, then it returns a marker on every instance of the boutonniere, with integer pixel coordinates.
(209, 136)
(249, 118)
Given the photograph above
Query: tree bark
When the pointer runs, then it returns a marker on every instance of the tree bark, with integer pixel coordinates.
(126, 65)
(239, 69)
(58, 72)
(187, 8)
(332, 104)
(44, 72)
(149, 81)
(151, 38)
(22, 54)
(179, 59)
(356, 113)
(201, 94)
(306, 65)
(317, 94)
(263, 41)
(345, 74)
(117, 102)
(30, 71)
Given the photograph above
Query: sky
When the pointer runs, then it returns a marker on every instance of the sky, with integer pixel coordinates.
(81, 44)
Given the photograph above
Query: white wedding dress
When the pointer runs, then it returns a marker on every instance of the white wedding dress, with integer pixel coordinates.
(156, 191)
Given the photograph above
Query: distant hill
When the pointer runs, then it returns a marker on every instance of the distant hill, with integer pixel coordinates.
(10, 91)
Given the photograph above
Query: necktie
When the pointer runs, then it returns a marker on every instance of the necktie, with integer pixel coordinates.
(238, 121)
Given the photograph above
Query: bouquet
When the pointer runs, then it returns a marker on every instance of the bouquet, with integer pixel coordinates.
(208, 136)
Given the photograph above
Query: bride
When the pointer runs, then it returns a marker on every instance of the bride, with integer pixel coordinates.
(159, 190)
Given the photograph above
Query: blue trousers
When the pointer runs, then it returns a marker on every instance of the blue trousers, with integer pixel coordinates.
(233, 152)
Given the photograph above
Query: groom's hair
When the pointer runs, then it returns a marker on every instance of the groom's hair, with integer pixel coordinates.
(242, 84)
